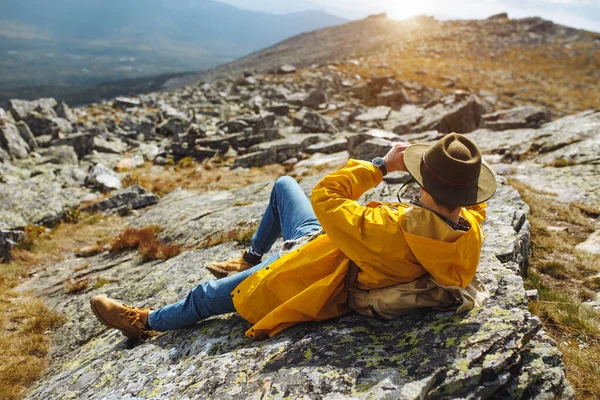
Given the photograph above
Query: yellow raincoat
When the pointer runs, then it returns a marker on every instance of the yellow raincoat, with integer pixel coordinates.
(391, 243)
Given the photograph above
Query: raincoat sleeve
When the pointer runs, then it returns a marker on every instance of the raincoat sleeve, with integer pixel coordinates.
(355, 229)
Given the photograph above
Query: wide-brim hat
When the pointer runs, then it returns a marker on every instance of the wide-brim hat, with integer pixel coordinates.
(451, 170)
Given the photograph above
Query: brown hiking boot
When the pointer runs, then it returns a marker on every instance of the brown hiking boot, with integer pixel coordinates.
(130, 321)
(230, 267)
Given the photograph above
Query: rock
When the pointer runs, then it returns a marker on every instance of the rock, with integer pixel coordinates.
(107, 183)
(459, 112)
(591, 244)
(321, 161)
(334, 146)
(133, 197)
(315, 99)
(161, 161)
(380, 113)
(533, 295)
(371, 148)
(356, 139)
(402, 121)
(265, 125)
(279, 109)
(126, 102)
(495, 351)
(111, 145)
(172, 126)
(20, 109)
(276, 151)
(41, 124)
(315, 123)
(393, 98)
(286, 69)
(4, 156)
(64, 111)
(149, 151)
(6, 117)
(236, 125)
(42, 199)
(8, 239)
(82, 143)
(27, 135)
(501, 16)
(103, 178)
(129, 163)
(62, 154)
(296, 99)
(12, 141)
(515, 118)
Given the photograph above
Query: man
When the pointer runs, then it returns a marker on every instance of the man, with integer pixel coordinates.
(381, 260)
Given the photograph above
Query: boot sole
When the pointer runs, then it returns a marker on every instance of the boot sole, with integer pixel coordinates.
(129, 335)
(218, 272)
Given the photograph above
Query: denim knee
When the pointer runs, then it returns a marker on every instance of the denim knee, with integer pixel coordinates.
(284, 182)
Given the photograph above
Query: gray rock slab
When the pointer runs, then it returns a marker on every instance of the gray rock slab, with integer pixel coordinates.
(515, 118)
(424, 354)
(379, 113)
(12, 141)
(316, 123)
(21, 108)
(333, 146)
(133, 197)
(40, 200)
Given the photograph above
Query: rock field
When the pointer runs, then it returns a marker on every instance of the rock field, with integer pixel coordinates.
(54, 160)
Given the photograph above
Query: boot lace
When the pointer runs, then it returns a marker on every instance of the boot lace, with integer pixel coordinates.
(131, 313)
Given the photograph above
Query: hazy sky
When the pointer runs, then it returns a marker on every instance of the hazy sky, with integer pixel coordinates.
(584, 14)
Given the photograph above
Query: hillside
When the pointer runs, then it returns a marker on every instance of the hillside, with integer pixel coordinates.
(527, 60)
(72, 44)
(136, 196)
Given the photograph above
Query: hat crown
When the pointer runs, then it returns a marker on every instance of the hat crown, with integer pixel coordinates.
(454, 159)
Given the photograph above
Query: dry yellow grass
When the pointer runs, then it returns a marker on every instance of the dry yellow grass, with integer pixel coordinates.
(564, 280)
(146, 242)
(25, 321)
(196, 176)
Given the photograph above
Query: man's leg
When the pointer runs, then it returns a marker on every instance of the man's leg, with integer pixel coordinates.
(205, 300)
(289, 212)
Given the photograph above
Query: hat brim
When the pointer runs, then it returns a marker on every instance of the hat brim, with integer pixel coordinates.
(485, 188)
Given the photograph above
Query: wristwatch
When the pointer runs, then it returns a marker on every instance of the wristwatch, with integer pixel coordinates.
(380, 163)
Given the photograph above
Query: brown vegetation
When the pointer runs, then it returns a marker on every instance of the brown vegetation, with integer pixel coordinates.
(78, 285)
(25, 321)
(564, 280)
(189, 174)
(561, 78)
(146, 242)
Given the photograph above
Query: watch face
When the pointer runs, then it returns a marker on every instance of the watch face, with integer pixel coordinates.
(378, 162)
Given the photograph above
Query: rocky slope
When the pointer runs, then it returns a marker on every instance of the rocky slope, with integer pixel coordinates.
(55, 158)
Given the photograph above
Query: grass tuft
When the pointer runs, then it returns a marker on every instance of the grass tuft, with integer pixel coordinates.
(146, 242)
(74, 286)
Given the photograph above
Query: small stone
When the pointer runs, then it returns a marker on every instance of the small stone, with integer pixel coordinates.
(591, 244)
(532, 295)
(286, 69)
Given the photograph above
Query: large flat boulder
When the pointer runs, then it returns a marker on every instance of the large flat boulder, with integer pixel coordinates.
(497, 351)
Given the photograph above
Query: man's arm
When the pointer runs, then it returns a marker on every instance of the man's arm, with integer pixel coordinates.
(355, 229)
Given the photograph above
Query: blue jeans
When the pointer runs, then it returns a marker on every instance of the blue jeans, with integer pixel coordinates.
(289, 212)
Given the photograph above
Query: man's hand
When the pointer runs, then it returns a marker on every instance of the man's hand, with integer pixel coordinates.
(394, 159)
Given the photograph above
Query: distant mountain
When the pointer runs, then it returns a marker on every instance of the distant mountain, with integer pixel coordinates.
(79, 43)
